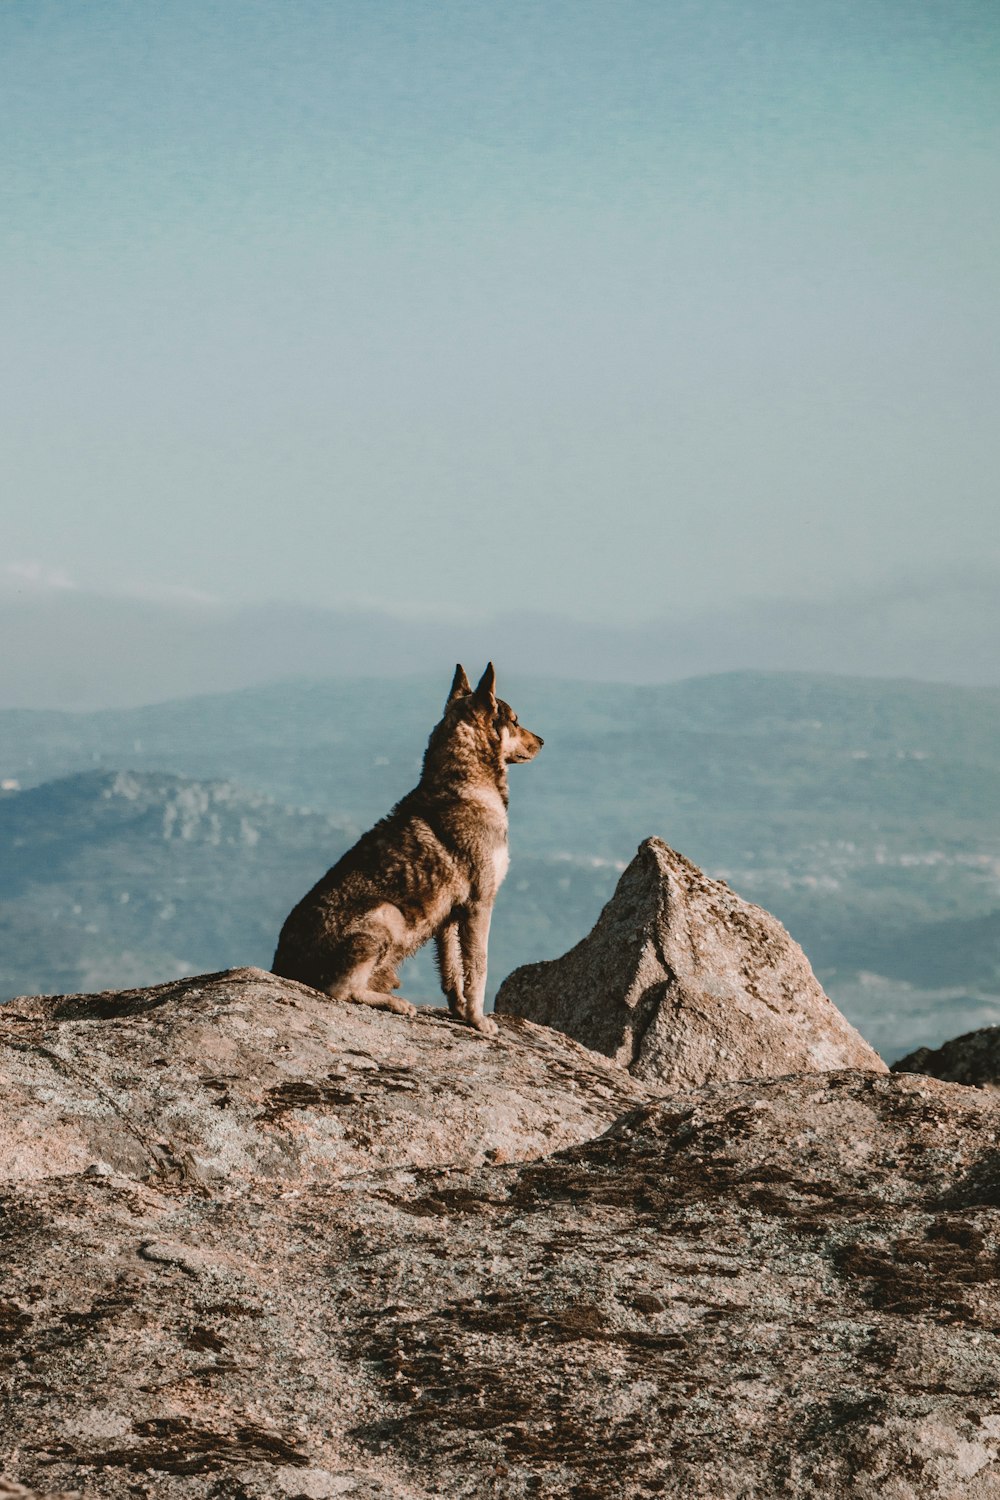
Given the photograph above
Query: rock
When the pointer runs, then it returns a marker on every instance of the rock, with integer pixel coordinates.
(242, 1075)
(11, 1490)
(970, 1059)
(759, 1288)
(683, 982)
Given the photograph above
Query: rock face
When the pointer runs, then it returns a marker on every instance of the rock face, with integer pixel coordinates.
(259, 1246)
(682, 982)
(242, 1076)
(970, 1059)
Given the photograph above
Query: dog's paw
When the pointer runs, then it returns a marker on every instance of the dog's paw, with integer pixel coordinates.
(401, 1007)
(485, 1025)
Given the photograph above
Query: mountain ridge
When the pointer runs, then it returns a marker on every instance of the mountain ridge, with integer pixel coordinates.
(72, 646)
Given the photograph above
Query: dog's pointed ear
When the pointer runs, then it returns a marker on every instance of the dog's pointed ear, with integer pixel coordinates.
(486, 688)
(459, 685)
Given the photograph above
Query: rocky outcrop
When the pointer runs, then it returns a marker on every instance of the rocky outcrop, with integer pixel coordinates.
(257, 1245)
(240, 1076)
(682, 982)
(970, 1059)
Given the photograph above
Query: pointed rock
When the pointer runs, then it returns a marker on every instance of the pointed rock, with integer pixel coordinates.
(682, 982)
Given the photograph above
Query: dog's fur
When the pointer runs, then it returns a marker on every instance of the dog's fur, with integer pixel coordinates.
(432, 868)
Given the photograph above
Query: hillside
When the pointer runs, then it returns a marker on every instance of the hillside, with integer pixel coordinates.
(111, 877)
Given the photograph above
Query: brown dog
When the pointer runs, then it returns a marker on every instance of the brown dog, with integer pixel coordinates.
(432, 868)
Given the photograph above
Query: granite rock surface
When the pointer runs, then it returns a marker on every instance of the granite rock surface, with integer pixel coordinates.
(256, 1245)
(683, 982)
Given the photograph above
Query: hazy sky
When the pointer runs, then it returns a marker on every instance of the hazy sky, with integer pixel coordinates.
(602, 308)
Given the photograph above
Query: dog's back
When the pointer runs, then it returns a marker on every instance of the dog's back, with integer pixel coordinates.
(430, 869)
(400, 864)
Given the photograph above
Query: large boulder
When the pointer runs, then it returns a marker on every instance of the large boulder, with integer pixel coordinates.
(265, 1247)
(973, 1058)
(681, 982)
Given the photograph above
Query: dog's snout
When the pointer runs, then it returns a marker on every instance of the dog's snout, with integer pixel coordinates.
(541, 742)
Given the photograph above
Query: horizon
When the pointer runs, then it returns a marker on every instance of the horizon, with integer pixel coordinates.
(70, 649)
(432, 679)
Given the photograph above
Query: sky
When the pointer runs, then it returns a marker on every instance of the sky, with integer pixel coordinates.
(606, 309)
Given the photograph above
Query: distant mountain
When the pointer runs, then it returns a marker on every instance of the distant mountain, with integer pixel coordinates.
(71, 648)
(108, 877)
(865, 814)
(816, 776)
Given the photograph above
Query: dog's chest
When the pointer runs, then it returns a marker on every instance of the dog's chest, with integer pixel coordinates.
(486, 827)
(501, 863)
(490, 865)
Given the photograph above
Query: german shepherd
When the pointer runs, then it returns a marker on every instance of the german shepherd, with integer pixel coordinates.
(431, 868)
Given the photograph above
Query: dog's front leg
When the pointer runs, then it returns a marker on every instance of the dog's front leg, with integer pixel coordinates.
(475, 936)
(449, 957)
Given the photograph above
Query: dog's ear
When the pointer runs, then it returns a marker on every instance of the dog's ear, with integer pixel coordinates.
(485, 688)
(459, 685)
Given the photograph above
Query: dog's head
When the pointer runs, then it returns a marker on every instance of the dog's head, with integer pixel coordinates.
(493, 719)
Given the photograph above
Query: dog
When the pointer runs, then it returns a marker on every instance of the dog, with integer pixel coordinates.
(431, 868)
